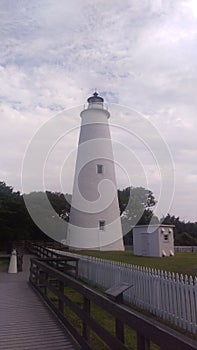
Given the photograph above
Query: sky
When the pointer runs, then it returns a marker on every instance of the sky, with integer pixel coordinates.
(140, 55)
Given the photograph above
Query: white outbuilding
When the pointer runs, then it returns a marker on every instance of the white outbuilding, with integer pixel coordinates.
(153, 240)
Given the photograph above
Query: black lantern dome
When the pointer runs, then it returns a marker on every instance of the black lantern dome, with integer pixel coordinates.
(95, 98)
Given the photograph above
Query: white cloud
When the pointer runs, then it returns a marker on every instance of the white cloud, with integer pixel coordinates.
(138, 53)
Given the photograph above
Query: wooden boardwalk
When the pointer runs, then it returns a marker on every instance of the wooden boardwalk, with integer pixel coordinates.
(25, 322)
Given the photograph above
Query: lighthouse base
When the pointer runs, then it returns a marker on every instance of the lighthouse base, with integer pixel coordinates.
(94, 239)
(118, 246)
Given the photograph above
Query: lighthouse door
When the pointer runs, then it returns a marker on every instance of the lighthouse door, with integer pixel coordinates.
(145, 244)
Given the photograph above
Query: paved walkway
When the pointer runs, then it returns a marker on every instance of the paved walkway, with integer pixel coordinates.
(25, 322)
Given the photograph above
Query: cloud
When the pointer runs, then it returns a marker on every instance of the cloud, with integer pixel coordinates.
(141, 54)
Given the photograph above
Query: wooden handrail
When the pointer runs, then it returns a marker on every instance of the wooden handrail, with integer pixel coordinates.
(42, 277)
(55, 259)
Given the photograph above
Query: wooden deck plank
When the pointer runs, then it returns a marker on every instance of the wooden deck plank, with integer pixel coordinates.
(25, 322)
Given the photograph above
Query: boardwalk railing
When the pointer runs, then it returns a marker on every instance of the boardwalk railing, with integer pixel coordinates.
(169, 296)
(53, 284)
(64, 263)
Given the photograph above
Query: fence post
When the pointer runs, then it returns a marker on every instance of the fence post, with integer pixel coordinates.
(77, 269)
(142, 342)
(45, 283)
(120, 330)
(86, 309)
(116, 294)
(37, 276)
(60, 301)
(119, 324)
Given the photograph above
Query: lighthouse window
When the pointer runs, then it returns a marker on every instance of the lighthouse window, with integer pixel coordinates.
(102, 225)
(99, 168)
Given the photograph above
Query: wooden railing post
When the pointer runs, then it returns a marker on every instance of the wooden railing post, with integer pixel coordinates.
(116, 294)
(31, 268)
(45, 283)
(119, 324)
(142, 342)
(86, 309)
(37, 276)
(60, 301)
(120, 330)
(76, 268)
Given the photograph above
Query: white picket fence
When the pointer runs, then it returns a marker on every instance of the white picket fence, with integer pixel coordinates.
(167, 295)
(185, 249)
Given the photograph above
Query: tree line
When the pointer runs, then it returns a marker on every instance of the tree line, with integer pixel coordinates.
(136, 207)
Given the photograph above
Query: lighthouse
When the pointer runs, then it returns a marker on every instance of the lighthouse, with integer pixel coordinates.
(95, 217)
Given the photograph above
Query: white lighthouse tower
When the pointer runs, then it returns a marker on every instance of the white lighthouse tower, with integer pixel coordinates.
(95, 218)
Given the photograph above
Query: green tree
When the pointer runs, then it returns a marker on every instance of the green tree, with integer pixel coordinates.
(61, 203)
(15, 222)
(185, 233)
(135, 208)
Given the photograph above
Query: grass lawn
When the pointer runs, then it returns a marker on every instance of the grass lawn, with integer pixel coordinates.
(185, 263)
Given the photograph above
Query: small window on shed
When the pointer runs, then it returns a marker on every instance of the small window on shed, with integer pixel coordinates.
(99, 168)
(102, 225)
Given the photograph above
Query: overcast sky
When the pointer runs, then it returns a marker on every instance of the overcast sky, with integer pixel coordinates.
(139, 54)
